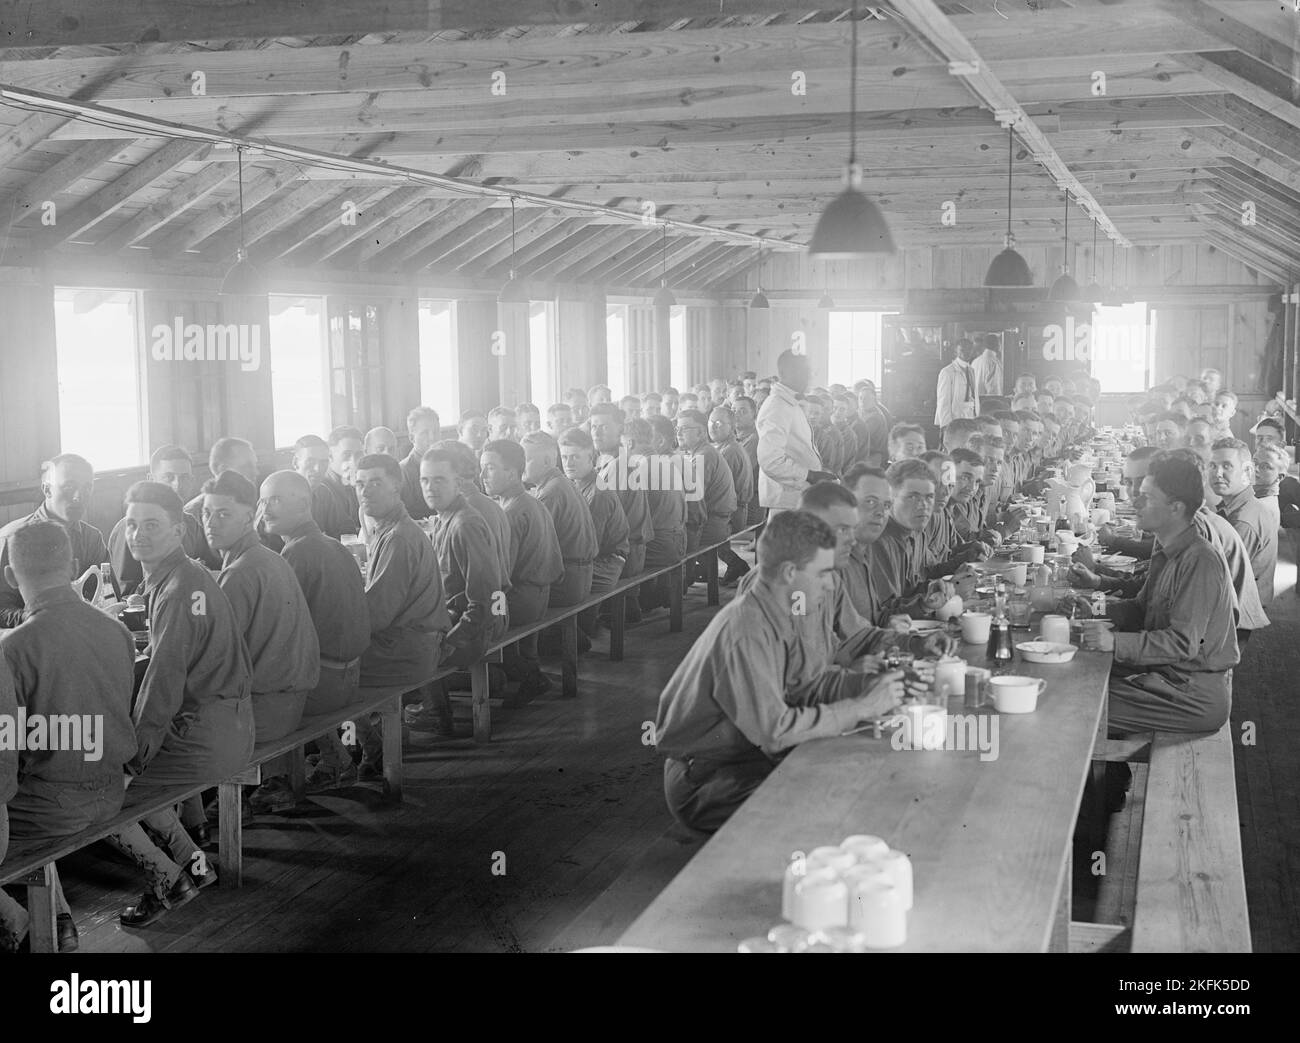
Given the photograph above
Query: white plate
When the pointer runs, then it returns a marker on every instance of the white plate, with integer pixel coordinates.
(1117, 561)
(925, 626)
(1046, 652)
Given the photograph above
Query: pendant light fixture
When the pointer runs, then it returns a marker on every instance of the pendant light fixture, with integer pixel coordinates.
(827, 301)
(515, 291)
(759, 300)
(243, 280)
(1009, 268)
(852, 226)
(1091, 294)
(1065, 288)
(664, 298)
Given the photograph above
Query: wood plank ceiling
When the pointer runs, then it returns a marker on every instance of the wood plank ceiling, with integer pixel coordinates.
(730, 114)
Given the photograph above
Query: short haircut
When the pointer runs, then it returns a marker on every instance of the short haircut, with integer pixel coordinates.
(907, 470)
(556, 408)
(437, 455)
(40, 549)
(652, 396)
(500, 411)
(1225, 393)
(599, 387)
(1243, 450)
(1005, 416)
(695, 416)
(71, 459)
(961, 426)
(343, 431)
(543, 439)
(1177, 419)
(749, 374)
(576, 436)
(1143, 453)
(223, 449)
(901, 431)
(511, 453)
(1279, 455)
(1198, 419)
(159, 495)
(467, 416)
(793, 536)
(670, 391)
(861, 470)
(931, 456)
(824, 495)
(381, 462)
(234, 485)
(662, 427)
(746, 399)
(461, 455)
(576, 393)
(168, 452)
(968, 457)
(995, 442)
(527, 407)
(725, 410)
(1025, 415)
(639, 430)
(422, 413)
(608, 409)
(1179, 479)
(309, 442)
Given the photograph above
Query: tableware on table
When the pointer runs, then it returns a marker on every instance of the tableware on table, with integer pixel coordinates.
(949, 677)
(1117, 561)
(864, 846)
(135, 618)
(1066, 542)
(759, 944)
(1031, 553)
(1013, 693)
(926, 724)
(790, 937)
(1018, 607)
(925, 626)
(950, 609)
(1018, 574)
(821, 899)
(1055, 629)
(975, 627)
(834, 857)
(1046, 651)
(1105, 624)
(1099, 516)
(837, 939)
(1106, 501)
(877, 914)
(899, 868)
(976, 682)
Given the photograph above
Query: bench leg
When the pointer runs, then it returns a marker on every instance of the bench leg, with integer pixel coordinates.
(42, 928)
(297, 765)
(617, 626)
(482, 706)
(230, 833)
(391, 719)
(711, 576)
(569, 658)
(676, 576)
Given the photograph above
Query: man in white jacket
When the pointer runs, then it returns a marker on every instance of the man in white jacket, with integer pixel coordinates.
(958, 393)
(787, 460)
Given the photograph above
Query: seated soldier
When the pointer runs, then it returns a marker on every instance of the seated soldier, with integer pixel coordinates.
(501, 423)
(311, 458)
(572, 517)
(424, 427)
(652, 404)
(631, 407)
(578, 455)
(599, 395)
(748, 691)
(576, 400)
(1135, 469)
(226, 454)
(379, 440)
(607, 437)
(722, 435)
(843, 413)
(170, 465)
(193, 713)
(968, 478)
(667, 503)
(671, 402)
(826, 440)
(559, 417)
(745, 412)
(65, 660)
(269, 607)
(334, 500)
(67, 482)
(906, 442)
(1231, 477)
(1270, 462)
(529, 418)
(538, 562)
(467, 477)
(1176, 644)
(336, 598)
(897, 557)
(717, 491)
(945, 549)
(471, 581)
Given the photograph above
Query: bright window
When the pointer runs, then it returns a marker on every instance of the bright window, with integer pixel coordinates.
(1122, 342)
(439, 375)
(855, 346)
(97, 347)
(616, 349)
(299, 360)
(679, 368)
(541, 354)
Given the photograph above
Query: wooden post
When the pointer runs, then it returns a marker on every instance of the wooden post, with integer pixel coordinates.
(391, 721)
(230, 827)
(617, 626)
(569, 657)
(479, 683)
(43, 930)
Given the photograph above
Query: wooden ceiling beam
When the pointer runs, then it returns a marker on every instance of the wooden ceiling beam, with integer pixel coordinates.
(188, 193)
(317, 251)
(564, 246)
(636, 271)
(623, 243)
(260, 184)
(694, 270)
(420, 251)
(121, 189)
(27, 134)
(740, 262)
(390, 233)
(320, 221)
(1241, 36)
(26, 203)
(1263, 99)
(1259, 157)
(525, 221)
(260, 223)
(556, 227)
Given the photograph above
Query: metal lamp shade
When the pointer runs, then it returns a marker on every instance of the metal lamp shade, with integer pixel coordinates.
(515, 291)
(1065, 289)
(243, 279)
(1009, 269)
(851, 226)
(664, 298)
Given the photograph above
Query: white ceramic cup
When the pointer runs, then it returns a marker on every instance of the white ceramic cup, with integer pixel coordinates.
(1100, 516)
(899, 868)
(821, 899)
(949, 677)
(1014, 694)
(877, 913)
(975, 627)
(1056, 629)
(864, 846)
(1033, 554)
(1018, 574)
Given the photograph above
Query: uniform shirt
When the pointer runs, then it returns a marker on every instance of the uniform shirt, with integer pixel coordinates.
(87, 549)
(70, 658)
(667, 506)
(728, 699)
(635, 502)
(334, 507)
(608, 518)
(534, 546)
(1183, 618)
(573, 525)
(719, 489)
(334, 590)
(873, 439)
(1288, 501)
(206, 556)
(471, 575)
(412, 494)
(273, 615)
(127, 571)
(964, 517)
(849, 442)
(1216, 529)
(1258, 533)
(862, 586)
(830, 447)
(499, 527)
(742, 479)
(897, 560)
(1267, 497)
(197, 653)
(940, 541)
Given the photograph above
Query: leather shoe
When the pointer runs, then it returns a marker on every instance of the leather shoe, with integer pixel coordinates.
(68, 941)
(151, 908)
(200, 834)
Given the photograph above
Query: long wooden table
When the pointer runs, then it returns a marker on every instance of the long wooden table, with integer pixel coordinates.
(989, 841)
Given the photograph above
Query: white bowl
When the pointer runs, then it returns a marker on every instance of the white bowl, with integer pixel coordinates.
(1046, 651)
(1015, 694)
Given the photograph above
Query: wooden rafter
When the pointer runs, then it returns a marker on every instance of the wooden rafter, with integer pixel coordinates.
(317, 251)
(187, 194)
(25, 205)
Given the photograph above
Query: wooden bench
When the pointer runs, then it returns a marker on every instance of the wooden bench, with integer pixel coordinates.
(567, 619)
(35, 864)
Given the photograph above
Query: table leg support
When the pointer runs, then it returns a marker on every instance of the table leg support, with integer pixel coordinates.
(569, 658)
(42, 928)
(482, 706)
(391, 721)
(230, 833)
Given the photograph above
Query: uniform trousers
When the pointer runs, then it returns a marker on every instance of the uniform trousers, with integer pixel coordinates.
(703, 794)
